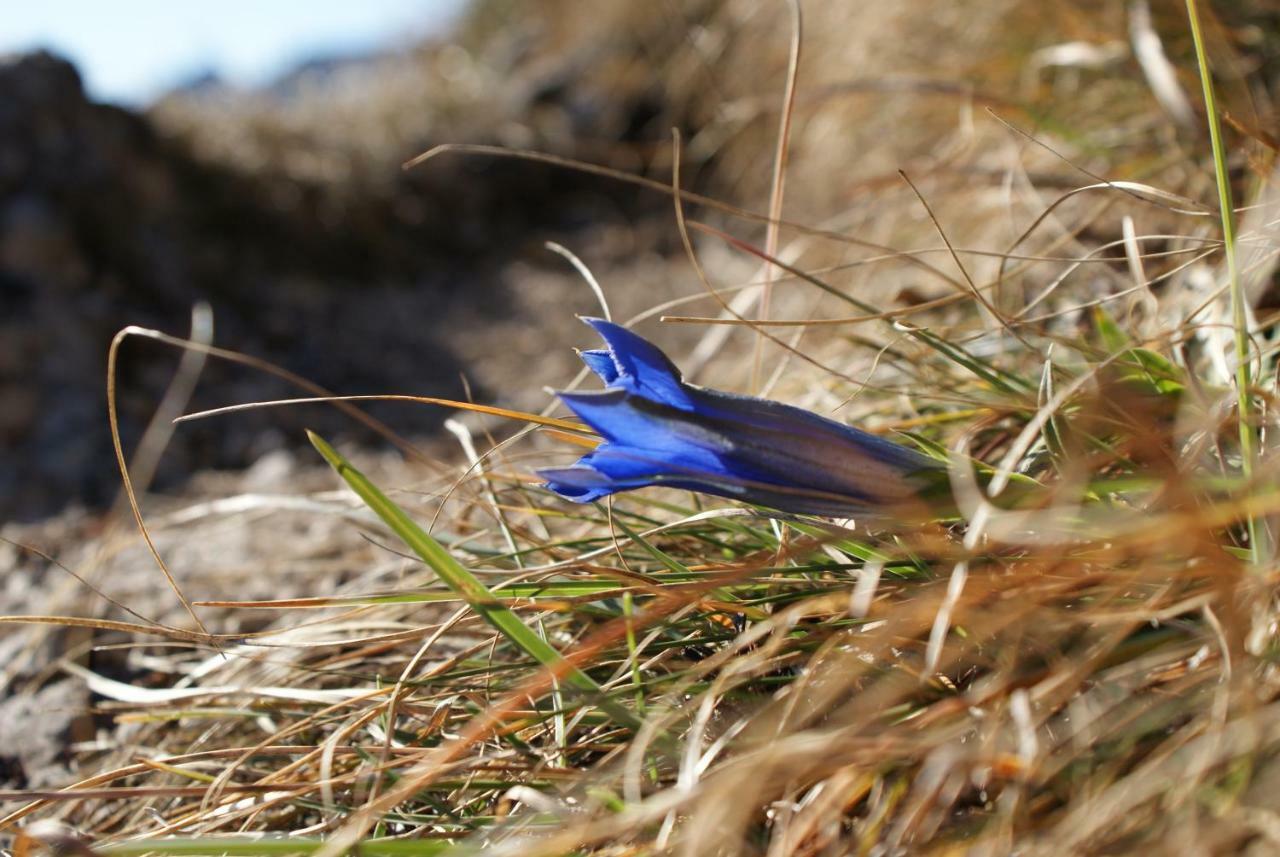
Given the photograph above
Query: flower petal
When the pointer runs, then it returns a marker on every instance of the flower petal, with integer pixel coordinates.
(579, 483)
(612, 468)
(601, 362)
(641, 366)
(630, 420)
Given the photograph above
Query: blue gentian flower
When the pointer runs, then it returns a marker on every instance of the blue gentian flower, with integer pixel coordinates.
(660, 430)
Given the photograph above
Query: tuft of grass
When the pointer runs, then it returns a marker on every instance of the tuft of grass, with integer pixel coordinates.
(467, 586)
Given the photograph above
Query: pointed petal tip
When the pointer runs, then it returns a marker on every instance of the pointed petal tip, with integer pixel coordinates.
(591, 397)
(639, 365)
(578, 483)
(609, 330)
(600, 409)
(601, 362)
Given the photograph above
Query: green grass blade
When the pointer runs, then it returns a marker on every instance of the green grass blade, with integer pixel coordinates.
(468, 587)
(1239, 318)
(721, 593)
(1006, 382)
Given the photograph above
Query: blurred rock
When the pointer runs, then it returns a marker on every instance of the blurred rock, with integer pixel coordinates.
(355, 280)
(34, 733)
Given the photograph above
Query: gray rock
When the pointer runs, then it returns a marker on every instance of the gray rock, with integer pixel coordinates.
(36, 731)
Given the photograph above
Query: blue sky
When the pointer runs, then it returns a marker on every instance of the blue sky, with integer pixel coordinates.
(129, 51)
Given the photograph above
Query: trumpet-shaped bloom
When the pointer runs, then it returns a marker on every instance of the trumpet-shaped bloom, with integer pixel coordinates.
(660, 430)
